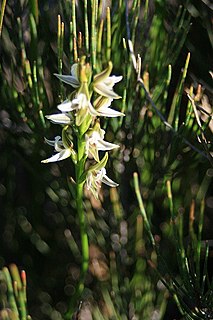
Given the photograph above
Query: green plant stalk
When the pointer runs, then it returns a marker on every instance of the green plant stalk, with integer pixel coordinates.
(11, 297)
(199, 239)
(99, 39)
(2, 14)
(175, 108)
(74, 19)
(86, 27)
(146, 8)
(82, 224)
(22, 45)
(136, 11)
(109, 36)
(60, 51)
(177, 233)
(35, 80)
(71, 43)
(34, 9)
(94, 9)
(142, 209)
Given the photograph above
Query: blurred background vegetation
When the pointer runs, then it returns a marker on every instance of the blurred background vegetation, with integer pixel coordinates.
(130, 276)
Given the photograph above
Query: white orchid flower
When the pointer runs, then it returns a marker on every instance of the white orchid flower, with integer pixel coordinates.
(102, 104)
(62, 151)
(94, 180)
(103, 83)
(95, 142)
(72, 79)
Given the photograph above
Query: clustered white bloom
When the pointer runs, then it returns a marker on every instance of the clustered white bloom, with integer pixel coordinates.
(80, 113)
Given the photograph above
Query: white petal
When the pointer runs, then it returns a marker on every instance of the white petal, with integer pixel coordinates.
(59, 118)
(50, 142)
(57, 143)
(65, 106)
(102, 102)
(111, 81)
(64, 154)
(109, 182)
(74, 70)
(105, 145)
(106, 91)
(71, 80)
(92, 110)
(102, 133)
(108, 112)
(94, 137)
(80, 101)
(59, 146)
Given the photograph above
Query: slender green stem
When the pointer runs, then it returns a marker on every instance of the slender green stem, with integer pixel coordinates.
(94, 9)
(142, 209)
(86, 27)
(109, 35)
(74, 19)
(60, 53)
(2, 14)
(82, 225)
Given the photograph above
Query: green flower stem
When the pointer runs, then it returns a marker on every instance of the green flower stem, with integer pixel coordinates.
(82, 224)
(81, 214)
